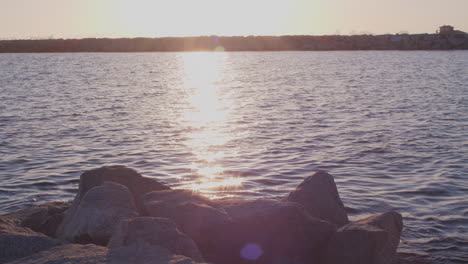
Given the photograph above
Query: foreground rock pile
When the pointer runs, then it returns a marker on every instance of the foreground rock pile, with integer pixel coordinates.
(119, 216)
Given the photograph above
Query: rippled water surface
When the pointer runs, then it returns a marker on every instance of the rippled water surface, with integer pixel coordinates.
(390, 126)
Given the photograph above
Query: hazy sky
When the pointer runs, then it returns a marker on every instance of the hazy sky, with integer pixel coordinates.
(156, 18)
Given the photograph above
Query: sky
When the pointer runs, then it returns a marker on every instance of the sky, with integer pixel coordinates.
(25, 19)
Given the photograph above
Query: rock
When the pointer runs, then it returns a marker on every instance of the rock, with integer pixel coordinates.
(94, 218)
(194, 213)
(135, 182)
(163, 200)
(146, 254)
(50, 225)
(17, 241)
(319, 195)
(44, 218)
(144, 234)
(196, 219)
(70, 253)
(263, 231)
(372, 240)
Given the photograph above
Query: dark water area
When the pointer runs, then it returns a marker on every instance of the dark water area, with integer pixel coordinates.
(390, 126)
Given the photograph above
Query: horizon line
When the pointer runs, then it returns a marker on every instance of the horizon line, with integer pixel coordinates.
(221, 36)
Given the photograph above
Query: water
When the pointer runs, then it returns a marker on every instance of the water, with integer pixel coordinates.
(390, 126)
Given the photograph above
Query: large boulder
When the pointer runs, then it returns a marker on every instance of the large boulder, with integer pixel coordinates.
(264, 231)
(44, 218)
(373, 240)
(146, 254)
(139, 236)
(17, 241)
(94, 218)
(319, 195)
(135, 182)
(194, 213)
(164, 200)
(70, 253)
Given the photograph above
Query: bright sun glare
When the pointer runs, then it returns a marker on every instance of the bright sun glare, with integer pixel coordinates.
(206, 120)
(195, 18)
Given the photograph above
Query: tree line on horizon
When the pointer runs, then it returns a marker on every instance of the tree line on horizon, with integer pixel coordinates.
(240, 43)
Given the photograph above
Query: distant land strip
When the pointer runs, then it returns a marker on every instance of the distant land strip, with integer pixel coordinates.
(453, 41)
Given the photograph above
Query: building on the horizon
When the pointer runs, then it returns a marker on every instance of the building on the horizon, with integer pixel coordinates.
(445, 29)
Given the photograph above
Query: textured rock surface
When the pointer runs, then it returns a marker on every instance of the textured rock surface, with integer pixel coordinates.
(166, 199)
(50, 225)
(372, 240)
(185, 227)
(319, 195)
(68, 254)
(197, 219)
(265, 231)
(44, 218)
(146, 254)
(17, 242)
(190, 211)
(135, 182)
(94, 218)
(141, 234)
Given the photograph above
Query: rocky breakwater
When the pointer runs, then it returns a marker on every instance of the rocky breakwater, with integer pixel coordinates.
(119, 216)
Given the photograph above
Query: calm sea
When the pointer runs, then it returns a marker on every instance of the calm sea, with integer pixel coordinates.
(392, 127)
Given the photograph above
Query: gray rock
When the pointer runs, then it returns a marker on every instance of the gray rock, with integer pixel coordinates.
(319, 195)
(144, 233)
(165, 199)
(44, 218)
(146, 254)
(265, 231)
(17, 242)
(135, 182)
(197, 219)
(194, 213)
(70, 253)
(372, 240)
(50, 225)
(94, 218)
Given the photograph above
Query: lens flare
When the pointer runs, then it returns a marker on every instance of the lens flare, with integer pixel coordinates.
(251, 251)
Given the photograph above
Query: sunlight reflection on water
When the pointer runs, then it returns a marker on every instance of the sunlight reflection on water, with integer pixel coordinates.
(206, 121)
(390, 126)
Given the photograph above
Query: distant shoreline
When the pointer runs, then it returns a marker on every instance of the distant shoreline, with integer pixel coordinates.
(452, 41)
